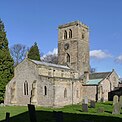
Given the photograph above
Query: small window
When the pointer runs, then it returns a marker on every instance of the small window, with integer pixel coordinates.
(65, 34)
(25, 88)
(62, 73)
(83, 36)
(77, 93)
(68, 58)
(65, 93)
(70, 33)
(45, 90)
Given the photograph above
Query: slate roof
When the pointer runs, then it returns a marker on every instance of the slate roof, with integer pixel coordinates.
(99, 75)
(93, 82)
(50, 64)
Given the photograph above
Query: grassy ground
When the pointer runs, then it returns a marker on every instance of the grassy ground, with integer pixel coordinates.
(71, 113)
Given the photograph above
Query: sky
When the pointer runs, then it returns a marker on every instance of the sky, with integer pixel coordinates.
(29, 21)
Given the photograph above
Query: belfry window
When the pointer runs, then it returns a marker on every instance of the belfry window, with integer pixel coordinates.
(65, 34)
(70, 33)
(25, 88)
(68, 58)
(45, 90)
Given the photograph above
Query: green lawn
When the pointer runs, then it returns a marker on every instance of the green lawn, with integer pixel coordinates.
(71, 113)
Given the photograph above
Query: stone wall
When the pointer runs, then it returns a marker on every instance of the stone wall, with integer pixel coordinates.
(90, 91)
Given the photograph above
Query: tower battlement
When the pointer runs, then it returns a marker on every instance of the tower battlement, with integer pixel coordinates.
(77, 23)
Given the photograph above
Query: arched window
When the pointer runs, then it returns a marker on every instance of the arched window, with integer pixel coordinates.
(70, 33)
(65, 93)
(68, 58)
(65, 34)
(45, 90)
(25, 88)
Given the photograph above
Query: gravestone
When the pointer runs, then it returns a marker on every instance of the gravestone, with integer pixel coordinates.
(32, 113)
(120, 101)
(58, 116)
(100, 110)
(116, 109)
(7, 117)
(92, 104)
(115, 99)
(85, 100)
(84, 107)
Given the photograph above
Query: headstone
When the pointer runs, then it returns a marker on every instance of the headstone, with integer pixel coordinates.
(7, 117)
(85, 100)
(115, 99)
(58, 116)
(100, 110)
(116, 109)
(84, 107)
(32, 113)
(92, 104)
(120, 101)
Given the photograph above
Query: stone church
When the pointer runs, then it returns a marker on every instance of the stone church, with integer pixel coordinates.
(47, 84)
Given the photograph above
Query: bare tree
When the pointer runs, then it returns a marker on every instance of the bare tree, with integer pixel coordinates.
(18, 52)
(51, 58)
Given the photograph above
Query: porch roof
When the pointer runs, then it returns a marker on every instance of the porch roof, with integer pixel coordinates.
(93, 82)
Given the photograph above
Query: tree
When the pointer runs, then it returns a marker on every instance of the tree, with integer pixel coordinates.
(34, 53)
(6, 62)
(52, 58)
(18, 52)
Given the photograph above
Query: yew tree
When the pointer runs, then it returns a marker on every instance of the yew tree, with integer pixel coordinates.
(6, 62)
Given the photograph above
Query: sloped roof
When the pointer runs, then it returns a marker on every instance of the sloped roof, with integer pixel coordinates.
(99, 75)
(93, 82)
(49, 64)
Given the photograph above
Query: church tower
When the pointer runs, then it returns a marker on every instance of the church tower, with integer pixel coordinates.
(73, 46)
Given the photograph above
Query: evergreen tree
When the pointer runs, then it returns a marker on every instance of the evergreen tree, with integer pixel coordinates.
(34, 52)
(6, 62)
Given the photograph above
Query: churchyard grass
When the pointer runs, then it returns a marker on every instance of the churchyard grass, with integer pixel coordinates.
(71, 113)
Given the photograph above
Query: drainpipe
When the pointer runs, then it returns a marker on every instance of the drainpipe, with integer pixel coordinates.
(72, 91)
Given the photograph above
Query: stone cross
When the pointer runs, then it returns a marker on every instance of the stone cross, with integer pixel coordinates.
(116, 109)
(115, 99)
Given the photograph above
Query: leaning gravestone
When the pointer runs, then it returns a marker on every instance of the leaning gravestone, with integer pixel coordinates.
(115, 99)
(92, 104)
(116, 109)
(84, 107)
(120, 101)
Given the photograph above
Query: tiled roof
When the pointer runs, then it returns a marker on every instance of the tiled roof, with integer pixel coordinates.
(93, 82)
(50, 64)
(99, 75)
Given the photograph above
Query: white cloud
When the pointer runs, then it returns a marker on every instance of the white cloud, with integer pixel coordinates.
(99, 54)
(53, 52)
(119, 59)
